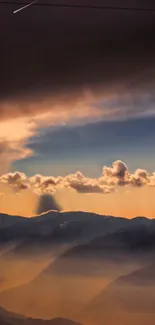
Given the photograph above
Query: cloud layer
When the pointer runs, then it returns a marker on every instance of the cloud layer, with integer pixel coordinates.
(73, 49)
(13, 136)
(118, 175)
(32, 117)
(84, 65)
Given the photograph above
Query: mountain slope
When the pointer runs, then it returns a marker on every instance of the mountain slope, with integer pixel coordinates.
(8, 220)
(53, 228)
(125, 246)
(64, 281)
(37, 233)
(9, 318)
(131, 298)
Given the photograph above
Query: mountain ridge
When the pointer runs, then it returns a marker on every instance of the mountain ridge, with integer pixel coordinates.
(57, 228)
(70, 212)
(7, 317)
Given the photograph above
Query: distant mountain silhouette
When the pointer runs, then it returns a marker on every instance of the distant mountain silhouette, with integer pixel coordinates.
(61, 228)
(124, 246)
(134, 238)
(9, 318)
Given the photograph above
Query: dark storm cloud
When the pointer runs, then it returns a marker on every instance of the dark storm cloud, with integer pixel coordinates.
(47, 203)
(58, 50)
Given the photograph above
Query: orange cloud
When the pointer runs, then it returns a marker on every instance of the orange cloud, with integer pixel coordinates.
(22, 120)
(55, 107)
(13, 136)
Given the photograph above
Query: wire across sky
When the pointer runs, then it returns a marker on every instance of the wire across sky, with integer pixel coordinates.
(80, 6)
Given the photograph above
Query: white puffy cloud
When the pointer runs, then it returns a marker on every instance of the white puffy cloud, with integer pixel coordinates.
(18, 181)
(44, 185)
(83, 184)
(140, 178)
(118, 175)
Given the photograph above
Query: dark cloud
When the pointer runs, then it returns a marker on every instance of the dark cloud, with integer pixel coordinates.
(58, 50)
(46, 203)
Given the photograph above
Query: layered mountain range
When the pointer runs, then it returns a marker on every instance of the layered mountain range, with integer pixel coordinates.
(94, 265)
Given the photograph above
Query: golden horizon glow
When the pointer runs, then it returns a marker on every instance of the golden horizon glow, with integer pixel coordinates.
(138, 202)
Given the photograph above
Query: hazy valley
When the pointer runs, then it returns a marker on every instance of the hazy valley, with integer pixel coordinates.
(80, 266)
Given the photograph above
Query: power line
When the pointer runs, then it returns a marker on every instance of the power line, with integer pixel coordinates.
(65, 5)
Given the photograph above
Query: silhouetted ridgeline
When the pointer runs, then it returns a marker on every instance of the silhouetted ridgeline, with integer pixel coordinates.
(9, 318)
(67, 227)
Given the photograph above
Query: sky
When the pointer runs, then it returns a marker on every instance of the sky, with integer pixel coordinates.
(77, 108)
